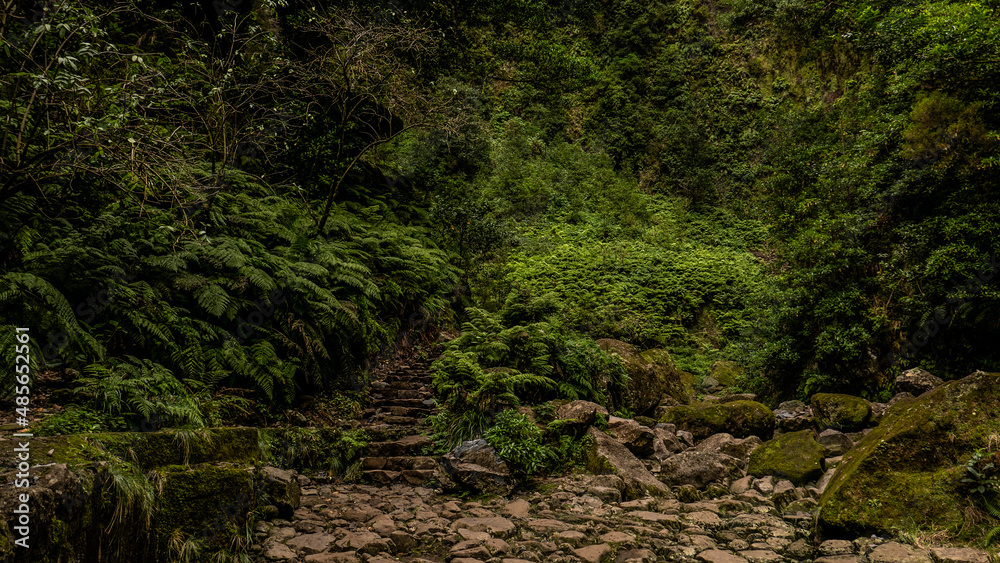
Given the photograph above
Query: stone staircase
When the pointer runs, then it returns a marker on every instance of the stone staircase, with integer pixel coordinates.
(400, 404)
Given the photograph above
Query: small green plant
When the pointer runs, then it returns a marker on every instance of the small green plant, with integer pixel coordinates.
(981, 474)
(981, 479)
(519, 442)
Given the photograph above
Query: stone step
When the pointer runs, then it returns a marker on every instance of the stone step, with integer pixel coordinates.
(409, 403)
(405, 446)
(398, 463)
(407, 385)
(399, 420)
(409, 377)
(411, 476)
(416, 412)
(402, 394)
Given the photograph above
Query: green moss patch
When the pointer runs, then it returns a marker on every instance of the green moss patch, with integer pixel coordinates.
(204, 501)
(795, 456)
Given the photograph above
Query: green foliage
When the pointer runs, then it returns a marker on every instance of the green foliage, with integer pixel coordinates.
(981, 474)
(79, 420)
(519, 442)
(140, 388)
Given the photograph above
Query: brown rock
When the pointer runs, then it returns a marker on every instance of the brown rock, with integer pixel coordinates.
(761, 556)
(579, 414)
(609, 456)
(493, 525)
(637, 438)
(959, 555)
(311, 543)
(719, 556)
(895, 552)
(593, 553)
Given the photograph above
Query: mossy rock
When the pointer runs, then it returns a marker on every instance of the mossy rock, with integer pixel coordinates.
(647, 381)
(739, 418)
(846, 413)
(726, 373)
(795, 456)
(172, 447)
(905, 474)
(208, 501)
(679, 384)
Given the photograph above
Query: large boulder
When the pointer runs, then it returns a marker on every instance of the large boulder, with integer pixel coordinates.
(666, 444)
(795, 456)
(739, 418)
(577, 416)
(680, 384)
(846, 413)
(718, 458)
(636, 437)
(726, 373)
(917, 381)
(792, 416)
(609, 456)
(906, 473)
(475, 465)
(648, 380)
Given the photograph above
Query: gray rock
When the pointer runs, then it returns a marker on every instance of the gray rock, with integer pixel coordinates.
(917, 381)
(637, 438)
(836, 443)
(281, 487)
(792, 416)
(699, 468)
(475, 465)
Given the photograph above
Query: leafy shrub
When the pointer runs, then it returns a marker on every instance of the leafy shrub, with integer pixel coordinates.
(519, 442)
(471, 396)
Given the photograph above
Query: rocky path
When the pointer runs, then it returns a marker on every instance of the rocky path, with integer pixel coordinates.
(568, 519)
(396, 515)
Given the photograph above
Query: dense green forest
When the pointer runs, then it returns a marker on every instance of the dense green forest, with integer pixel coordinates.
(209, 208)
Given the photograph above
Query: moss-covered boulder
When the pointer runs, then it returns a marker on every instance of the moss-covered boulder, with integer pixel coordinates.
(846, 413)
(204, 501)
(680, 385)
(905, 474)
(647, 381)
(179, 447)
(795, 456)
(726, 372)
(739, 418)
(652, 375)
